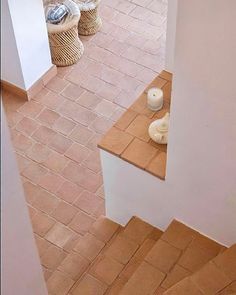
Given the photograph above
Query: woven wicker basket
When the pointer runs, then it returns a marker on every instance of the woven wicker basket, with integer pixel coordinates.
(65, 45)
(90, 21)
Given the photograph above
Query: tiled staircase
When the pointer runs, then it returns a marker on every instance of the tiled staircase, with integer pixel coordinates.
(139, 259)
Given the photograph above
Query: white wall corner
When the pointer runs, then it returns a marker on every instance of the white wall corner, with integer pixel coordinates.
(171, 34)
(25, 47)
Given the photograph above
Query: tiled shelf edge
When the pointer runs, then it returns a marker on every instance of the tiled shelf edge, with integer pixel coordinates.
(129, 139)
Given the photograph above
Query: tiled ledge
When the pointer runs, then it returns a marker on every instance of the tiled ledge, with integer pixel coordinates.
(129, 139)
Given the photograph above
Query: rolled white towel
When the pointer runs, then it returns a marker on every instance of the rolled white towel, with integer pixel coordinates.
(72, 6)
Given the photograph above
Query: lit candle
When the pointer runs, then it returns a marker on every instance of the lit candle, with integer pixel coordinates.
(155, 99)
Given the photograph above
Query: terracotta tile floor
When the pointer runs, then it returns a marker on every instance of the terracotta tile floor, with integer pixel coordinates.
(55, 134)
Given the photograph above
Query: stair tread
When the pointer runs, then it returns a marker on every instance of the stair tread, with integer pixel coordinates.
(139, 259)
(104, 228)
(217, 276)
(130, 248)
(138, 230)
(178, 253)
(145, 280)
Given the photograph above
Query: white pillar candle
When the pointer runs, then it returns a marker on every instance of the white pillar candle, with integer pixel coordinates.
(155, 99)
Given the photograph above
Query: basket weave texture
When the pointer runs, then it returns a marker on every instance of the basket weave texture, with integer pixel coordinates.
(90, 21)
(65, 46)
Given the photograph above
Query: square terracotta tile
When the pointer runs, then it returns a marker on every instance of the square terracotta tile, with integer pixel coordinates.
(163, 256)
(139, 128)
(38, 152)
(77, 152)
(22, 162)
(21, 143)
(93, 162)
(59, 235)
(167, 91)
(27, 125)
(43, 134)
(45, 201)
(177, 274)
(166, 75)
(104, 228)
(158, 165)
(125, 119)
(89, 246)
(59, 284)
(52, 100)
(64, 212)
(42, 244)
(194, 258)
(139, 153)
(101, 125)
(150, 277)
(93, 142)
(31, 109)
(159, 147)
(69, 191)
(51, 182)
(179, 235)
(42, 223)
(48, 117)
(143, 250)
(56, 162)
(81, 134)
(34, 172)
(82, 176)
(105, 108)
(130, 269)
(88, 202)
(210, 279)
(52, 257)
(106, 269)
(69, 246)
(116, 287)
(81, 223)
(57, 84)
(137, 230)
(31, 190)
(159, 291)
(74, 266)
(60, 143)
(184, 287)
(89, 286)
(227, 262)
(231, 289)
(72, 91)
(89, 100)
(115, 141)
(122, 249)
(46, 273)
(208, 244)
(63, 125)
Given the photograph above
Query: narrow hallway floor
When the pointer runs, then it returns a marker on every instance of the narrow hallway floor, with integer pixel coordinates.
(55, 134)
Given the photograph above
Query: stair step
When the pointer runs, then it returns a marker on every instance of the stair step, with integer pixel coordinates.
(139, 230)
(218, 276)
(105, 258)
(73, 269)
(139, 259)
(178, 253)
(124, 253)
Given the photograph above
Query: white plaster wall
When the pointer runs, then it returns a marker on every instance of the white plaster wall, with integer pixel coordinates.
(10, 60)
(20, 268)
(30, 34)
(170, 35)
(200, 187)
